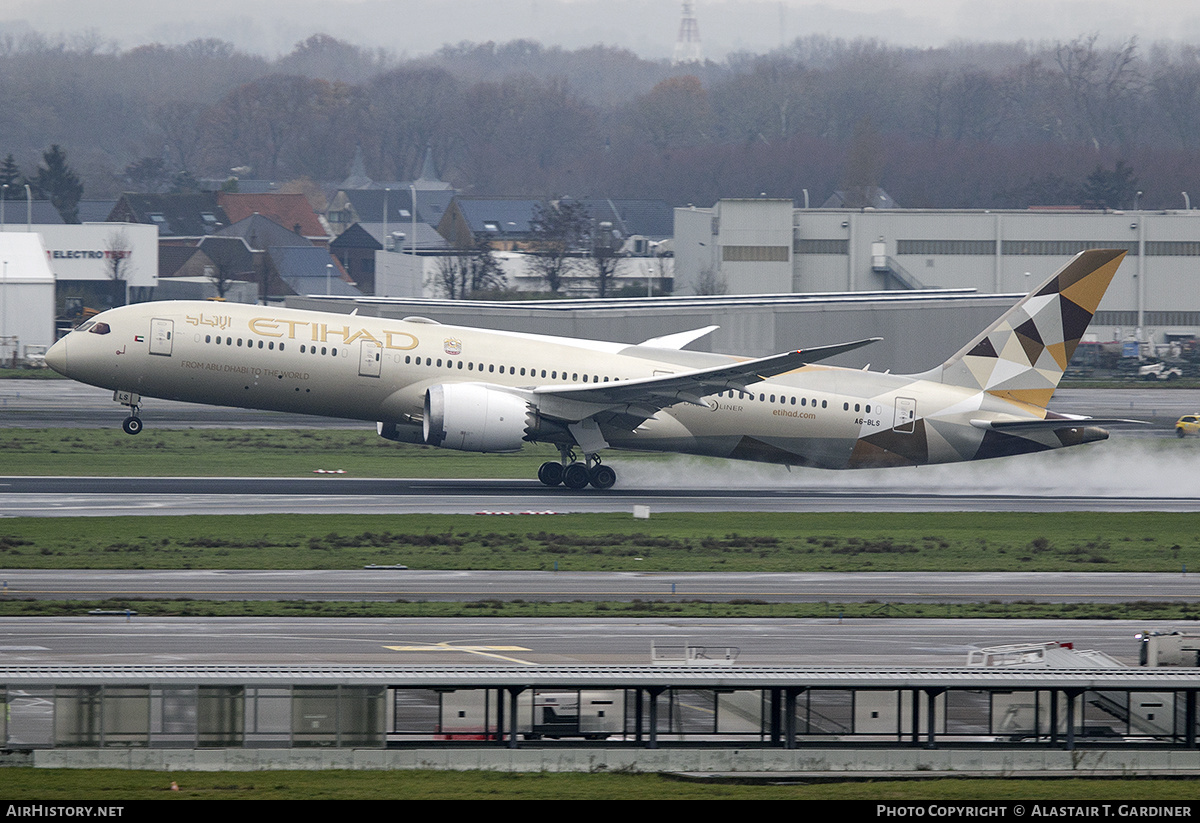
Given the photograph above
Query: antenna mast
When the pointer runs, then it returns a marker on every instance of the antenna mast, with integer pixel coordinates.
(687, 46)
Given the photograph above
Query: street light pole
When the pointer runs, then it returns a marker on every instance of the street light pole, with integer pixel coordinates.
(386, 192)
(28, 208)
(328, 277)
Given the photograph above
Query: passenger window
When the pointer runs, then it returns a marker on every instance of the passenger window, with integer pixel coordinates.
(208, 338)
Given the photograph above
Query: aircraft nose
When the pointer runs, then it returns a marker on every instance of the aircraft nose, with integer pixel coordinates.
(56, 356)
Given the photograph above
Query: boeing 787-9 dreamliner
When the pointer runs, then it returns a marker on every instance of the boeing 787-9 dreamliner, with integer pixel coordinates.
(479, 390)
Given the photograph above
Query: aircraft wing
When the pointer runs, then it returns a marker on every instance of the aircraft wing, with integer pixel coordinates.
(643, 397)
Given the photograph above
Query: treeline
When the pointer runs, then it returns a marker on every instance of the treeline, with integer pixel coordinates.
(969, 125)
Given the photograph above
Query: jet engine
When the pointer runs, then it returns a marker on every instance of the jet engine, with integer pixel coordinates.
(474, 417)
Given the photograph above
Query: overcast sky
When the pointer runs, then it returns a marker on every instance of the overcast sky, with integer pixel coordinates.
(414, 27)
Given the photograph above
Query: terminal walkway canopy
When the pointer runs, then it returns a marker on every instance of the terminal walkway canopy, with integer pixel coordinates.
(785, 707)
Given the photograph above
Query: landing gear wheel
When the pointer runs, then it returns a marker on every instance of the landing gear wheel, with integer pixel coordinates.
(132, 425)
(550, 473)
(575, 476)
(602, 477)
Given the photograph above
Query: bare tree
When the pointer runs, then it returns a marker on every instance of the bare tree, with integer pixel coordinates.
(559, 231)
(117, 251)
(603, 259)
(469, 272)
(231, 260)
(709, 282)
(1103, 88)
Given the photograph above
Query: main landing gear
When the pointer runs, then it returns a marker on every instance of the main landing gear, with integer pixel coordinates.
(576, 475)
(132, 424)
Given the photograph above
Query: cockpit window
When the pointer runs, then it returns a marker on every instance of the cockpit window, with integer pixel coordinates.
(100, 328)
(85, 326)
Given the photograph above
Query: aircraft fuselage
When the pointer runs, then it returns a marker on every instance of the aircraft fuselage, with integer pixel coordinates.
(381, 370)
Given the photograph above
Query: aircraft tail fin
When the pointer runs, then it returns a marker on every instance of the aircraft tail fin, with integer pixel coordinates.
(1023, 355)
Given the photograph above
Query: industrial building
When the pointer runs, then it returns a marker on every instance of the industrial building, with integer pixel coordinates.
(60, 270)
(768, 246)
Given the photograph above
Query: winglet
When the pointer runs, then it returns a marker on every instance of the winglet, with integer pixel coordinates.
(679, 339)
(822, 352)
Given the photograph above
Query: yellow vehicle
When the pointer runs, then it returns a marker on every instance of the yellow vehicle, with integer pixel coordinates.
(1188, 424)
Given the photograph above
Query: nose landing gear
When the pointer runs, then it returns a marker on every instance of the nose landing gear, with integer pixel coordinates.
(133, 423)
(577, 475)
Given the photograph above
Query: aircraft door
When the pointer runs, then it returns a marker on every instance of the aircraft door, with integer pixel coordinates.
(370, 357)
(906, 415)
(161, 332)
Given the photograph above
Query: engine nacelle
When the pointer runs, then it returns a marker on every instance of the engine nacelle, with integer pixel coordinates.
(400, 432)
(473, 417)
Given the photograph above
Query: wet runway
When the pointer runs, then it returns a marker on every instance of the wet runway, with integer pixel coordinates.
(549, 586)
(535, 641)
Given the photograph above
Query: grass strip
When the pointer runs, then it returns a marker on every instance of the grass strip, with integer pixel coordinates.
(702, 542)
(187, 607)
(360, 452)
(111, 786)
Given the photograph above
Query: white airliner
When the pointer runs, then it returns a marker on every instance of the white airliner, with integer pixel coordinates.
(492, 391)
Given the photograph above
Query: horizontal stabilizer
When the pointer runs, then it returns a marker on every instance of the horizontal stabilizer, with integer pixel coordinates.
(1053, 423)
